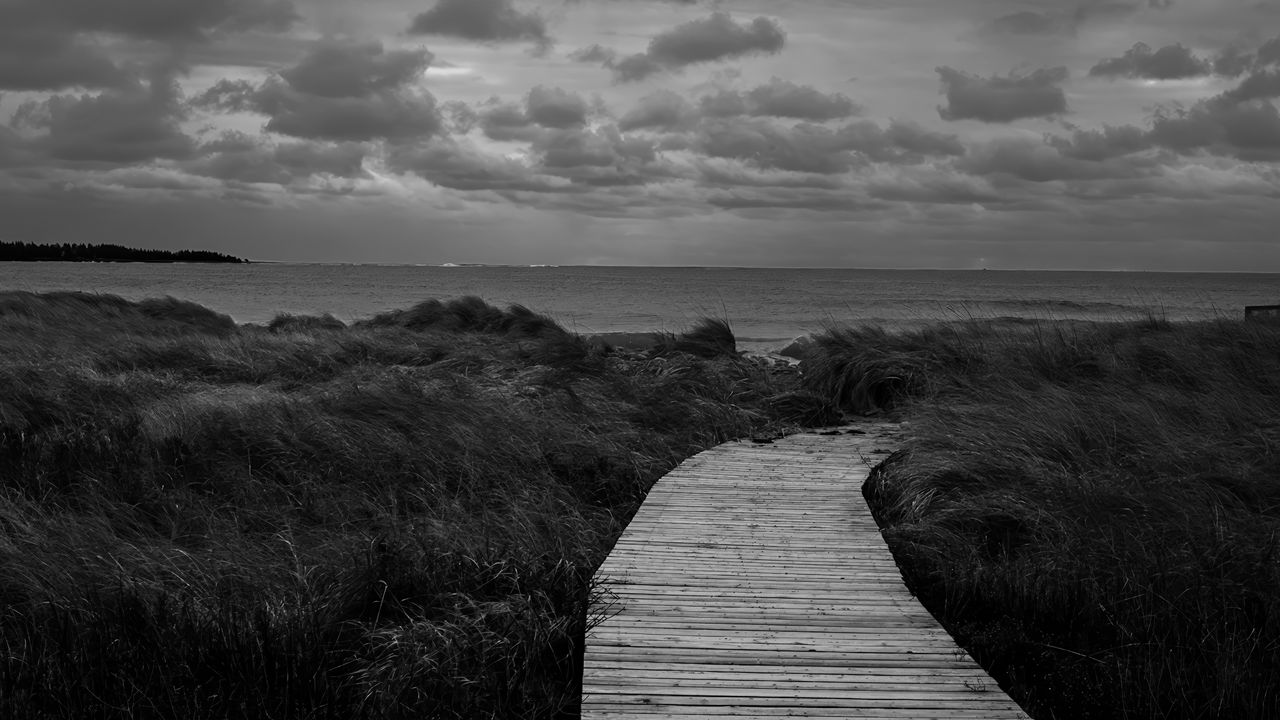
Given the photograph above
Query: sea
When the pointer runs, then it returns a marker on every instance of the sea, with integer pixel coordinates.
(767, 307)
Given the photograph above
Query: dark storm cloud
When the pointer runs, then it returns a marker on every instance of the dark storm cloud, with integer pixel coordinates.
(1269, 53)
(662, 110)
(1034, 161)
(13, 148)
(1241, 121)
(462, 118)
(716, 37)
(811, 199)
(781, 98)
(1263, 84)
(554, 107)
(1171, 62)
(167, 20)
(803, 148)
(334, 69)
(507, 122)
(235, 156)
(1232, 62)
(43, 59)
(817, 149)
(461, 166)
(916, 140)
(600, 157)
(1002, 99)
(1102, 11)
(724, 103)
(58, 44)
(134, 124)
(339, 92)
(1249, 130)
(931, 186)
(902, 142)
(1109, 142)
(481, 20)
(544, 108)
(385, 114)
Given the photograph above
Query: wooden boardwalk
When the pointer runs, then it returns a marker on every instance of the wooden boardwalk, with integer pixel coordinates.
(753, 582)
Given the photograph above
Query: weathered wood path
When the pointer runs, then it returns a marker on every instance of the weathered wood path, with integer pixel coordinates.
(753, 582)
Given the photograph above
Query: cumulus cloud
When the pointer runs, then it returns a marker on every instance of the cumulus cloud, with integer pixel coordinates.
(781, 98)
(544, 108)
(1171, 62)
(716, 37)
(134, 124)
(554, 107)
(237, 157)
(661, 110)
(335, 69)
(339, 92)
(481, 20)
(1002, 99)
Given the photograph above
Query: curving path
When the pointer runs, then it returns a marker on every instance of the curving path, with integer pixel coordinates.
(753, 582)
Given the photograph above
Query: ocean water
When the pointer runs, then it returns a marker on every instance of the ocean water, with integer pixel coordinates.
(766, 307)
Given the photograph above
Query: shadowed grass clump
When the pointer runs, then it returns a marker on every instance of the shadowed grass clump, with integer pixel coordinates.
(708, 338)
(285, 322)
(468, 314)
(393, 519)
(1093, 510)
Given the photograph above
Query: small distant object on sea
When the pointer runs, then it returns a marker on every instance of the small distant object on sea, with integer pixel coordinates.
(1262, 312)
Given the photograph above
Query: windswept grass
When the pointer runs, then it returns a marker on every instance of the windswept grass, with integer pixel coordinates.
(1093, 510)
(709, 338)
(397, 518)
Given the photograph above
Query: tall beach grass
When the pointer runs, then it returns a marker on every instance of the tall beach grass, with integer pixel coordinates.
(1092, 509)
(389, 519)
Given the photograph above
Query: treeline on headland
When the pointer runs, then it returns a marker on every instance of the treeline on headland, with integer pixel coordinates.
(83, 252)
(400, 517)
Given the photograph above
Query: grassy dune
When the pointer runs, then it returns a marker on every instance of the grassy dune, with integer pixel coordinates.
(397, 518)
(1093, 510)
(400, 517)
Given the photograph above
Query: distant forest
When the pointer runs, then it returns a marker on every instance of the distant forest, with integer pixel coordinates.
(80, 252)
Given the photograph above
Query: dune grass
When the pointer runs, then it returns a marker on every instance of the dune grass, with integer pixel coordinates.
(1092, 509)
(397, 517)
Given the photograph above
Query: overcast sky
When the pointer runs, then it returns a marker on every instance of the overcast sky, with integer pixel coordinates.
(1108, 134)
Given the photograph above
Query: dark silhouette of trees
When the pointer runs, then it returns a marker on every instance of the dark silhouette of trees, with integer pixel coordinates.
(81, 252)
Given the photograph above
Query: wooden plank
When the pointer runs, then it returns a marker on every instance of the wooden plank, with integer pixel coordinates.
(753, 582)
